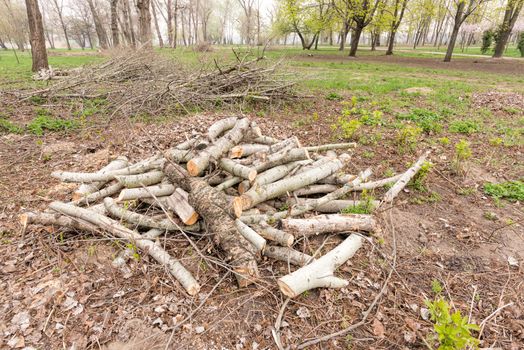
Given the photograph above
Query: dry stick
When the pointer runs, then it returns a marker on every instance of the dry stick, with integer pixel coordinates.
(336, 206)
(493, 314)
(146, 192)
(273, 190)
(251, 235)
(283, 238)
(404, 179)
(86, 189)
(315, 189)
(96, 196)
(197, 165)
(329, 147)
(278, 323)
(320, 272)
(160, 255)
(366, 313)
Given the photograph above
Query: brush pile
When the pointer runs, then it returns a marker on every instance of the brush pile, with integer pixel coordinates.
(142, 81)
(253, 194)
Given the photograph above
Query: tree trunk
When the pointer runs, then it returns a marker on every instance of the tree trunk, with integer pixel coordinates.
(144, 22)
(391, 42)
(100, 32)
(170, 22)
(129, 21)
(455, 31)
(354, 41)
(175, 29)
(511, 14)
(114, 23)
(157, 27)
(343, 37)
(62, 23)
(36, 36)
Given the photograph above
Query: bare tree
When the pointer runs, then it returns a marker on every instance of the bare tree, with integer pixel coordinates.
(59, 9)
(513, 8)
(100, 31)
(157, 27)
(144, 22)
(398, 13)
(462, 12)
(247, 7)
(36, 36)
(115, 35)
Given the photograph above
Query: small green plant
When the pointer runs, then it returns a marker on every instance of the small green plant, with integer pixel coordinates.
(333, 96)
(8, 127)
(407, 137)
(464, 126)
(373, 118)
(444, 141)
(419, 180)
(487, 41)
(496, 141)
(436, 286)
(511, 190)
(427, 120)
(520, 44)
(365, 206)
(346, 128)
(453, 330)
(462, 153)
(45, 121)
(491, 216)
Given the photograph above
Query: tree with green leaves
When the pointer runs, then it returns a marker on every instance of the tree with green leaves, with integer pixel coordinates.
(397, 13)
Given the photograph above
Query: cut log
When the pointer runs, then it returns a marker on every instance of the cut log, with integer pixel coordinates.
(277, 172)
(315, 189)
(146, 192)
(156, 252)
(55, 219)
(284, 145)
(265, 140)
(251, 235)
(270, 233)
(244, 186)
(309, 205)
(220, 127)
(127, 253)
(330, 147)
(178, 202)
(140, 180)
(320, 272)
(237, 169)
(145, 221)
(288, 255)
(338, 179)
(405, 178)
(335, 206)
(215, 209)
(276, 189)
(228, 183)
(96, 196)
(215, 151)
(197, 143)
(88, 188)
(247, 150)
(332, 223)
(276, 159)
(179, 156)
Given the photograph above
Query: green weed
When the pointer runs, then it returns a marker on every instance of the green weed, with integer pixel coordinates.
(365, 206)
(464, 126)
(9, 127)
(407, 137)
(427, 120)
(419, 180)
(510, 190)
(347, 129)
(462, 153)
(45, 121)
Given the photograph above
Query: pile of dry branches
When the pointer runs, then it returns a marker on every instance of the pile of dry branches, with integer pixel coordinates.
(143, 81)
(230, 183)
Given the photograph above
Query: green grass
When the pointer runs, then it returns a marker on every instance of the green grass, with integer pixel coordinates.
(511, 190)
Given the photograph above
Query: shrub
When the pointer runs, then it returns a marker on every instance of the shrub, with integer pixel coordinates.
(347, 128)
(407, 137)
(487, 41)
(462, 153)
(520, 44)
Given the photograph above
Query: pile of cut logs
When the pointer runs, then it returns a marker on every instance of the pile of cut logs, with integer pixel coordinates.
(253, 193)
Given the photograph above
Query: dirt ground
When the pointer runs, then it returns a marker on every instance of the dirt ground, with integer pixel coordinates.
(488, 65)
(60, 291)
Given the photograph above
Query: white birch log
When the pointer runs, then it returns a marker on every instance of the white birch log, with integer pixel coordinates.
(67, 176)
(156, 252)
(251, 235)
(88, 188)
(247, 150)
(288, 255)
(330, 223)
(276, 159)
(310, 204)
(265, 140)
(330, 147)
(320, 273)
(146, 192)
(143, 220)
(338, 179)
(270, 233)
(237, 169)
(127, 253)
(96, 196)
(286, 144)
(405, 178)
(337, 205)
(139, 180)
(197, 143)
(218, 149)
(244, 186)
(319, 162)
(55, 219)
(315, 189)
(277, 172)
(273, 190)
(229, 183)
(377, 183)
(180, 156)
(220, 127)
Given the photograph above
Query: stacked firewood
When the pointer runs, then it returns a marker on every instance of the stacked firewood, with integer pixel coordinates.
(232, 183)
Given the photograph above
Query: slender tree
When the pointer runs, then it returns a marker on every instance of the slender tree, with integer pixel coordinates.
(399, 7)
(115, 35)
(59, 9)
(36, 36)
(157, 27)
(99, 28)
(513, 8)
